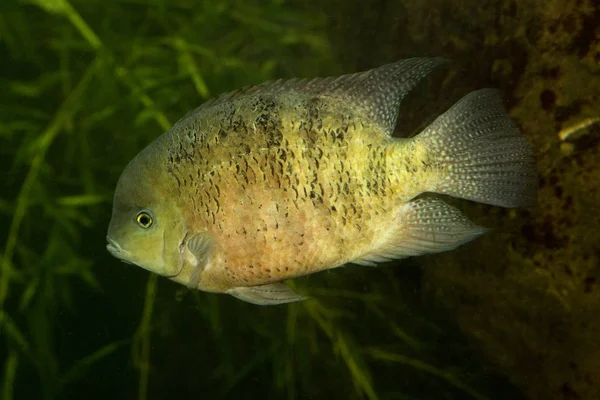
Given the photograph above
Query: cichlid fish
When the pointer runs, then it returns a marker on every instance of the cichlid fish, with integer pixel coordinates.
(297, 176)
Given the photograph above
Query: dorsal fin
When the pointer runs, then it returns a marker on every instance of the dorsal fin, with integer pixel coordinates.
(378, 92)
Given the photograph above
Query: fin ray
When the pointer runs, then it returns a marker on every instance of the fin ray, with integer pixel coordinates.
(480, 153)
(270, 294)
(378, 92)
(200, 245)
(424, 226)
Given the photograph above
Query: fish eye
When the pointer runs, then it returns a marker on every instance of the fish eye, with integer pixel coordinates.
(144, 219)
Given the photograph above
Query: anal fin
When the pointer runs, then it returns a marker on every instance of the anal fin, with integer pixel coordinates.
(266, 295)
(424, 226)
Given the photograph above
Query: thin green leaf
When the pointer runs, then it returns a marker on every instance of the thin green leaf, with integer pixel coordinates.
(81, 367)
(82, 200)
(450, 378)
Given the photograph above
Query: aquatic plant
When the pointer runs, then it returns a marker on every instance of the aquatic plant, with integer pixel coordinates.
(85, 85)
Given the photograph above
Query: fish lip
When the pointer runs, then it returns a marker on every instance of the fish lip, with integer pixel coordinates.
(116, 250)
(113, 244)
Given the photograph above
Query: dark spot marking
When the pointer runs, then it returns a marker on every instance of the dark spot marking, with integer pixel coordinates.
(274, 137)
(589, 283)
(511, 11)
(563, 113)
(558, 191)
(548, 99)
(587, 34)
(550, 73)
(528, 232)
(570, 24)
(568, 392)
(568, 271)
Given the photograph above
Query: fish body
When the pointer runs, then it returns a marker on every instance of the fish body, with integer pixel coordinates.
(293, 177)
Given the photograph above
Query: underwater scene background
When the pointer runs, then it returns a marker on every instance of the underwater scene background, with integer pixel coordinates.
(86, 84)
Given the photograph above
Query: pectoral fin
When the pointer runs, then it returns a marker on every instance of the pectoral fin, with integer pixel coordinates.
(200, 247)
(266, 295)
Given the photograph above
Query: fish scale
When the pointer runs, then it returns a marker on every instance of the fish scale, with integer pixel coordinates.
(292, 191)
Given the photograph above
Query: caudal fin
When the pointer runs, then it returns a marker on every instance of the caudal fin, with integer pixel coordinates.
(480, 152)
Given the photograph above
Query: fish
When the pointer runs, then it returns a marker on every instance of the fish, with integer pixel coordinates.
(291, 177)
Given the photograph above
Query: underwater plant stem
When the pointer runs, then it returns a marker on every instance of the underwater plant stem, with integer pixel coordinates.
(143, 335)
(190, 64)
(79, 368)
(160, 117)
(420, 365)
(62, 116)
(82, 26)
(10, 372)
(361, 378)
(291, 341)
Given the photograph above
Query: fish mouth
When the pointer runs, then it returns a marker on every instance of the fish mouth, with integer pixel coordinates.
(116, 250)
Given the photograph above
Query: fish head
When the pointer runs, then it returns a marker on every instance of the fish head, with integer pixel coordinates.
(146, 228)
